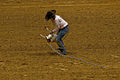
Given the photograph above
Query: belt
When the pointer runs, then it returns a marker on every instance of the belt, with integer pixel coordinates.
(64, 27)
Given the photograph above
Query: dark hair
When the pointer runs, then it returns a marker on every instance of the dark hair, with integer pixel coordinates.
(50, 14)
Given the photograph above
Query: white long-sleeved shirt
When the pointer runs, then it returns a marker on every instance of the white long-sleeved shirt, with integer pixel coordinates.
(59, 23)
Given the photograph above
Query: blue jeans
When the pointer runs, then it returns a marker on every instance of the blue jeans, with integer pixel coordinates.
(59, 40)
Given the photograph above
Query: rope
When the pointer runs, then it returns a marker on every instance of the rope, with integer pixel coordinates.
(75, 57)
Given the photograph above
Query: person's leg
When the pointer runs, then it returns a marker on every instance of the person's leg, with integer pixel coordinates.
(60, 41)
(64, 50)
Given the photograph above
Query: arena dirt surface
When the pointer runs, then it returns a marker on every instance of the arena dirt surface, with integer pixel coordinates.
(94, 36)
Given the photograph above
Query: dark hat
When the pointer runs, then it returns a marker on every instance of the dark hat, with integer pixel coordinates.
(53, 11)
(49, 15)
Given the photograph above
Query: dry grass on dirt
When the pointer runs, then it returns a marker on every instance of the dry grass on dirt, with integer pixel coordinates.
(94, 36)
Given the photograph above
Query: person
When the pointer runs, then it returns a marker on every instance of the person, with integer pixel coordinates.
(61, 28)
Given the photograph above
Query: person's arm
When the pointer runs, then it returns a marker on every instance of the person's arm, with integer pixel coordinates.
(57, 25)
(56, 29)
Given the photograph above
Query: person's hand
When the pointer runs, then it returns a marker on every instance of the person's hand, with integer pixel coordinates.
(51, 32)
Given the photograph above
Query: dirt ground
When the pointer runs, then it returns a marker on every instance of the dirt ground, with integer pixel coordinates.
(94, 36)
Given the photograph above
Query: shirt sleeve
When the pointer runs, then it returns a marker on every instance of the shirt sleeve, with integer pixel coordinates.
(57, 26)
(56, 29)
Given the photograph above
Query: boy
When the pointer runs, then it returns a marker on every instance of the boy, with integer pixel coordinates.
(61, 27)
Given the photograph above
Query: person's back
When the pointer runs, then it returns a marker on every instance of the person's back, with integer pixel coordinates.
(59, 23)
